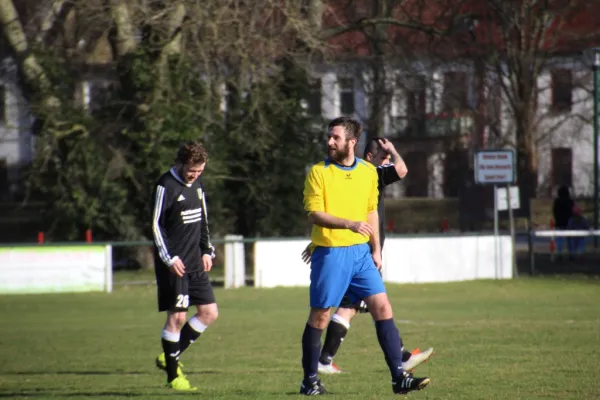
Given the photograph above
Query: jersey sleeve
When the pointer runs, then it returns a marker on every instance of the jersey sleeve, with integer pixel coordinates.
(161, 241)
(373, 195)
(387, 175)
(313, 192)
(206, 247)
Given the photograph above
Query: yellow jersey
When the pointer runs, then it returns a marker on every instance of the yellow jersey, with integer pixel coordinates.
(344, 192)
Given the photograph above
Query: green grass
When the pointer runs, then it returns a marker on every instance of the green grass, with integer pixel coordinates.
(522, 339)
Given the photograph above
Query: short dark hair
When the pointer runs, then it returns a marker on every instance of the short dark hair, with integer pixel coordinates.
(191, 153)
(372, 146)
(352, 127)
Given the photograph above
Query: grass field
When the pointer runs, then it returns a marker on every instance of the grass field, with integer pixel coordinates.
(521, 339)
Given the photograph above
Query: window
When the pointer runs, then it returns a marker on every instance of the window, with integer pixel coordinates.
(562, 167)
(562, 90)
(2, 103)
(416, 98)
(346, 87)
(100, 94)
(313, 102)
(4, 186)
(455, 94)
(456, 167)
(417, 181)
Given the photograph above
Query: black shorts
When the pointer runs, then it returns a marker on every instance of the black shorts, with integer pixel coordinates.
(347, 303)
(177, 294)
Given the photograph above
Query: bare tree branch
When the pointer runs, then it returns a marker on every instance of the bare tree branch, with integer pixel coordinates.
(371, 22)
(125, 28)
(49, 20)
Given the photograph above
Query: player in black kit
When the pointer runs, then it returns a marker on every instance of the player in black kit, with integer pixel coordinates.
(183, 257)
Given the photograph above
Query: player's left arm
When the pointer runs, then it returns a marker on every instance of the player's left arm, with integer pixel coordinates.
(307, 252)
(206, 247)
(373, 220)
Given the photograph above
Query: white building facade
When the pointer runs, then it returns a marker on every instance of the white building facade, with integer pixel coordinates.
(565, 132)
(16, 139)
(564, 128)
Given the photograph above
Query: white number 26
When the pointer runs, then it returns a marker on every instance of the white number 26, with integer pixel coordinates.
(183, 301)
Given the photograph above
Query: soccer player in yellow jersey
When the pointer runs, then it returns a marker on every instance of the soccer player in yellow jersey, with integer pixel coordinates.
(340, 197)
(390, 168)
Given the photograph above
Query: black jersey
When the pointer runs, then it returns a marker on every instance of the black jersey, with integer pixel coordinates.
(387, 175)
(180, 222)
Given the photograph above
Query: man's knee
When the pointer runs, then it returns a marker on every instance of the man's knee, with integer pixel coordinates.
(379, 306)
(318, 318)
(346, 313)
(207, 313)
(175, 321)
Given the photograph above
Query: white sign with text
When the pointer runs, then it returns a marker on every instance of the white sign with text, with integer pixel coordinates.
(495, 167)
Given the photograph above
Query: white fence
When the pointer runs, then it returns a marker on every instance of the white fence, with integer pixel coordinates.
(277, 262)
(48, 269)
(566, 233)
(405, 260)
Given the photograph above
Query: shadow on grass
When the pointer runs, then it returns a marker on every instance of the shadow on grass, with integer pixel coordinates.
(44, 394)
(27, 373)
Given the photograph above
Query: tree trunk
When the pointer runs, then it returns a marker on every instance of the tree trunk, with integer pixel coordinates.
(378, 100)
(125, 42)
(526, 159)
(315, 14)
(36, 80)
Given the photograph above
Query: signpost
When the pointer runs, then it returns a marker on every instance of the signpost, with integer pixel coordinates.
(498, 167)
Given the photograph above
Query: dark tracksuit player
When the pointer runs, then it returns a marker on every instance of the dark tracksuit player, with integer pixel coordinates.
(182, 259)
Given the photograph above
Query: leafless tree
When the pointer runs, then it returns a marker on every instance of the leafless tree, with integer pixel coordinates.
(514, 49)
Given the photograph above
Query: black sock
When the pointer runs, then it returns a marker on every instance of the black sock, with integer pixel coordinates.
(311, 348)
(336, 332)
(391, 344)
(190, 332)
(171, 349)
(406, 355)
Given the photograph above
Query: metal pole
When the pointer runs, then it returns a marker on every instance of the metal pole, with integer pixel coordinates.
(511, 221)
(496, 233)
(596, 67)
(531, 250)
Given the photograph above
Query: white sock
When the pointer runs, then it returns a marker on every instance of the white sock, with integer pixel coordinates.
(170, 336)
(341, 321)
(197, 325)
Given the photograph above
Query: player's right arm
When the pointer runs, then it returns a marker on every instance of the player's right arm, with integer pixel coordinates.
(161, 204)
(399, 171)
(325, 220)
(315, 207)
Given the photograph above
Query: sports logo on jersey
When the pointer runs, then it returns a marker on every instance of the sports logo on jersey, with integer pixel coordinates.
(200, 194)
(180, 198)
(348, 176)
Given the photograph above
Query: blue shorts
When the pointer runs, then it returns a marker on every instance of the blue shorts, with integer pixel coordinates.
(339, 271)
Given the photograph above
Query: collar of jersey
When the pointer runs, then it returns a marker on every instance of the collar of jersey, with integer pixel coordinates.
(329, 162)
(174, 173)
